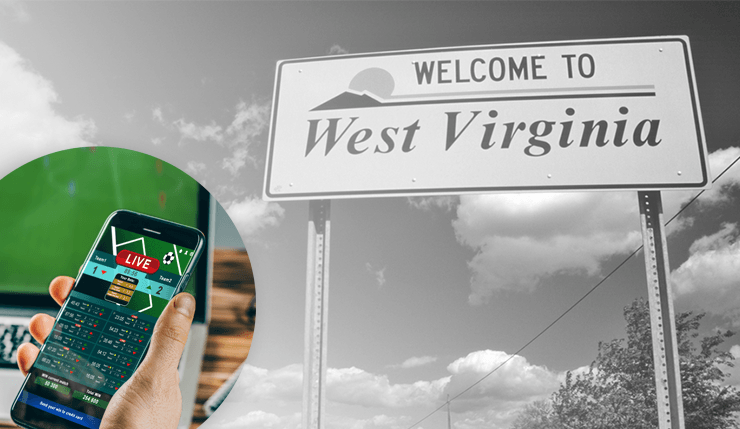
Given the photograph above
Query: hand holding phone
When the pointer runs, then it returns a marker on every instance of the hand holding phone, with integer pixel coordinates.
(123, 304)
(152, 397)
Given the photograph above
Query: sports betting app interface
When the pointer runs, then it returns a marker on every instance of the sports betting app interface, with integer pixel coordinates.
(100, 335)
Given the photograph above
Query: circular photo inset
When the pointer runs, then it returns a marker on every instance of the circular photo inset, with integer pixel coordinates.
(119, 302)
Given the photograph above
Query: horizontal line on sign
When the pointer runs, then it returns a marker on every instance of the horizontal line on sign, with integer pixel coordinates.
(490, 99)
(528, 91)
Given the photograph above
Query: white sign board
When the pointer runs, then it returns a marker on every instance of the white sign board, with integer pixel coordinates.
(618, 114)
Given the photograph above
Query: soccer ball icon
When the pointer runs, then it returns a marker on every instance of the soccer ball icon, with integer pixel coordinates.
(168, 258)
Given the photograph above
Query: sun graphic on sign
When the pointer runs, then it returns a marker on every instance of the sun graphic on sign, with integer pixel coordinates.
(369, 88)
(375, 81)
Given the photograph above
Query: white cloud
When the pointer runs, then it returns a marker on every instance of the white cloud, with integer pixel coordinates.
(236, 161)
(194, 167)
(348, 386)
(382, 420)
(260, 419)
(733, 372)
(735, 351)
(156, 141)
(354, 386)
(337, 50)
(515, 382)
(710, 277)
(250, 121)
(252, 214)
(201, 133)
(446, 202)
(415, 362)
(718, 161)
(238, 137)
(717, 196)
(494, 402)
(378, 273)
(157, 115)
(31, 127)
(522, 239)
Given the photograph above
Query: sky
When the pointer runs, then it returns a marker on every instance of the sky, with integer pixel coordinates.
(428, 294)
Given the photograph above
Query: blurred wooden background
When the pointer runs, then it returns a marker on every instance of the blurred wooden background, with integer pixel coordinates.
(231, 329)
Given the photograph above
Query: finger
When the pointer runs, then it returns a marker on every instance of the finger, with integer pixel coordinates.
(171, 333)
(27, 354)
(40, 326)
(60, 288)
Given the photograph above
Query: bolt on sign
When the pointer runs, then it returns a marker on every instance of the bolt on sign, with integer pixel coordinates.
(616, 114)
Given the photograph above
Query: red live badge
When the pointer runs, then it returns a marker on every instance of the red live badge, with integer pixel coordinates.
(137, 261)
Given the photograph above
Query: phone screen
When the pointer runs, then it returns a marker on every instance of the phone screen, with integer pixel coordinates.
(102, 332)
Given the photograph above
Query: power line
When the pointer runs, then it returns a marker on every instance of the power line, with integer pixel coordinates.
(620, 265)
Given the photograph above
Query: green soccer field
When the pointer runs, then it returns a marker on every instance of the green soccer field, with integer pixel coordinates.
(141, 300)
(53, 208)
(157, 249)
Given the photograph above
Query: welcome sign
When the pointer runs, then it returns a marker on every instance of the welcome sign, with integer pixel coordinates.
(617, 114)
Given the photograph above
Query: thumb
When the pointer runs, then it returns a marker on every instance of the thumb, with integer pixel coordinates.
(171, 333)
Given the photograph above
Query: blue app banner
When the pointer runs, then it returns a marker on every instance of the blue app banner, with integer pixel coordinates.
(67, 413)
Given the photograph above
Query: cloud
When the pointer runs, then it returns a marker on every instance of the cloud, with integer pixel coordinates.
(710, 277)
(337, 50)
(522, 239)
(515, 382)
(238, 137)
(494, 402)
(200, 133)
(720, 193)
(733, 372)
(252, 214)
(156, 141)
(354, 386)
(447, 202)
(194, 167)
(31, 127)
(379, 274)
(348, 386)
(260, 419)
(157, 115)
(384, 421)
(250, 122)
(415, 362)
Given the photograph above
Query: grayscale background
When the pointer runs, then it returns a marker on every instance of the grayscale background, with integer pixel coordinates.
(427, 294)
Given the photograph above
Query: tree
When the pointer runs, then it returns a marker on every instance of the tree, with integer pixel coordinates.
(618, 390)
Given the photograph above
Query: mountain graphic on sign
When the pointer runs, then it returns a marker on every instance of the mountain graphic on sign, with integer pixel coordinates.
(349, 100)
(367, 89)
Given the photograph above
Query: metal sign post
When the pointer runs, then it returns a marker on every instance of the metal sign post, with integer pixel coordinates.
(317, 302)
(662, 321)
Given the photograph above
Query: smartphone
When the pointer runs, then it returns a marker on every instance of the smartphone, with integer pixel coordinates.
(137, 264)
